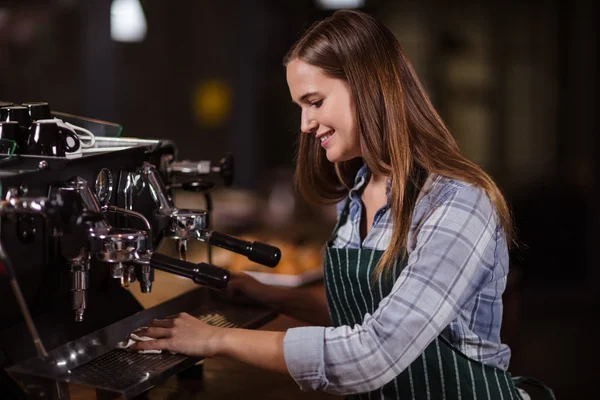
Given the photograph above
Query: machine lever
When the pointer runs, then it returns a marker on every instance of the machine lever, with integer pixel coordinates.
(201, 273)
(258, 252)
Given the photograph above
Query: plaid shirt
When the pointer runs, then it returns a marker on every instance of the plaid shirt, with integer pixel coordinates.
(452, 285)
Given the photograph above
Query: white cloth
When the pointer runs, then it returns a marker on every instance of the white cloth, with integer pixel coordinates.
(133, 338)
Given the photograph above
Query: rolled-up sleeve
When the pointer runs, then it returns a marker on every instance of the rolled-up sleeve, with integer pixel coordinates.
(303, 353)
(445, 270)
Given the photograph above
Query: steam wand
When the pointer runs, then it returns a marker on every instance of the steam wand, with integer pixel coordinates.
(6, 266)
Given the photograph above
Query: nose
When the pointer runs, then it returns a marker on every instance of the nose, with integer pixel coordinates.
(307, 123)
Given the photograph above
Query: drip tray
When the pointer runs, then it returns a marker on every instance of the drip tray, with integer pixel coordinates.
(95, 360)
(120, 371)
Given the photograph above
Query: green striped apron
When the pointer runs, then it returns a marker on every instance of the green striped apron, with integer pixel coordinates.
(441, 371)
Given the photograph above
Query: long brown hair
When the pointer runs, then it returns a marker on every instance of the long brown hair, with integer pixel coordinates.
(401, 134)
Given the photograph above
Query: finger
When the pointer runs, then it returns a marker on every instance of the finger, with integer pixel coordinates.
(161, 323)
(159, 344)
(156, 333)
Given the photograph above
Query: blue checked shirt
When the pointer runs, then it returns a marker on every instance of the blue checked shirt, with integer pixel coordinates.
(452, 285)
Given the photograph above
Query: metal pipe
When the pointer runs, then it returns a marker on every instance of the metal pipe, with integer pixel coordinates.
(191, 167)
(133, 214)
(157, 187)
(37, 341)
(89, 200)
(137, 215)
(80, 267)
(88, 197)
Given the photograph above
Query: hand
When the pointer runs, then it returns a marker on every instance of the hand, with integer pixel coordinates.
(182, 334)
(245, 289)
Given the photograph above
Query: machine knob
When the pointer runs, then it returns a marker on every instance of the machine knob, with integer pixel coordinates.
(226, 169)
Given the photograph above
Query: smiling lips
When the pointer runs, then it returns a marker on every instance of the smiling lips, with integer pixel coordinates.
(324, 138)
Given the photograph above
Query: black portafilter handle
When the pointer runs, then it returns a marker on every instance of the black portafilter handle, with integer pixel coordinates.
(201, 273)
(258, 252)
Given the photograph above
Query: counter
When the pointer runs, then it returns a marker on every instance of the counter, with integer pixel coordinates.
(221, 378)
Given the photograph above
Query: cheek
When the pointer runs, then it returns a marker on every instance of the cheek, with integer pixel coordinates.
(352, 132)
(342, 120)
(349, 121)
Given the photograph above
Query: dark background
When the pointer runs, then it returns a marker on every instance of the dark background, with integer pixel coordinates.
(515, 81)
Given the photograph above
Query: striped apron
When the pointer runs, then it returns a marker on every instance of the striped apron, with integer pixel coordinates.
(440, 372)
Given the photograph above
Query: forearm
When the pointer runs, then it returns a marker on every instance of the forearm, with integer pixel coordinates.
(262, 349)
(308, 304)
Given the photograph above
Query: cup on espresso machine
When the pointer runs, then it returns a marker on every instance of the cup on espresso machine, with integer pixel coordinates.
(73, 144)
(19, 114)
(38, 110)
(9, 133)
(46, 139)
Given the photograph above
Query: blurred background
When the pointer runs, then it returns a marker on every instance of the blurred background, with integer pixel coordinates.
(514, 80)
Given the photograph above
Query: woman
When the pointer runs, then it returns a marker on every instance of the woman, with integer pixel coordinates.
(417, 264)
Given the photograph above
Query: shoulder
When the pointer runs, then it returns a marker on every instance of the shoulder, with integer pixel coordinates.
(441, 190)
(455, 200)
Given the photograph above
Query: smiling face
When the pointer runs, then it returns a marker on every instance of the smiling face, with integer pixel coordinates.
(327, 110)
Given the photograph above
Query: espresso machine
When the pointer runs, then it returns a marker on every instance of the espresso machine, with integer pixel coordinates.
(76, 232)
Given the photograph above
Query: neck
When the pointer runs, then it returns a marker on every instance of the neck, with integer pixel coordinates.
(379, 179)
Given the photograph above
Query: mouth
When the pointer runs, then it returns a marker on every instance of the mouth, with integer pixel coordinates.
(324, 137)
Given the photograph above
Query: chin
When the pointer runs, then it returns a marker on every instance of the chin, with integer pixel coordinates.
(331, 159)
(336, 157)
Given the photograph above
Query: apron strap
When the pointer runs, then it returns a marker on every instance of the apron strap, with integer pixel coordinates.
(341, 220)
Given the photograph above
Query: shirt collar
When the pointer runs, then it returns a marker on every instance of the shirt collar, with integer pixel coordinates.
(362, 176)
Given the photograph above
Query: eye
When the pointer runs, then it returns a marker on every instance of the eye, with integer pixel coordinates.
(317, 103)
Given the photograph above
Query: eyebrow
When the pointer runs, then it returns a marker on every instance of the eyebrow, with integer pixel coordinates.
(305, 96)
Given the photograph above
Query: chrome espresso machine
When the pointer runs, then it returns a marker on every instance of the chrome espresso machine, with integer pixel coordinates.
(80, 223)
